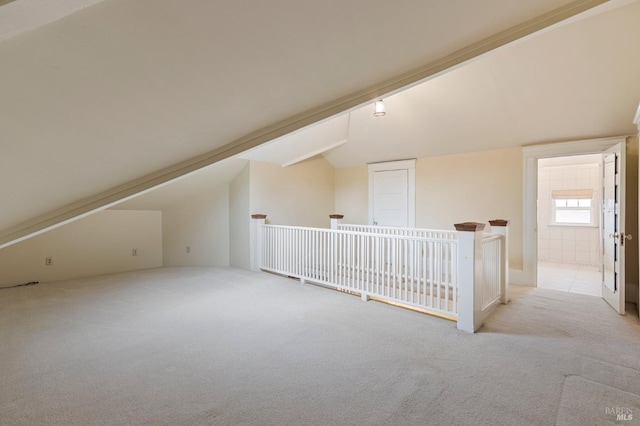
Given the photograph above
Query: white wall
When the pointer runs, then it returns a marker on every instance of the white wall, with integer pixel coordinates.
(567, 244)
(239, 219)
(351, 199)
(472, 187)
(450, 189)
(297, 195)
(98, 244)
(201, 223)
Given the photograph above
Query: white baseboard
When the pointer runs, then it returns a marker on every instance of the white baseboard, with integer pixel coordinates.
(516, 277)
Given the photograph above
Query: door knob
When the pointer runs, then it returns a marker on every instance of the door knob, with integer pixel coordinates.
(622, 237)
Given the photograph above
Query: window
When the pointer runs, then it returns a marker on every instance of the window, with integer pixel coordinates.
(573, 207)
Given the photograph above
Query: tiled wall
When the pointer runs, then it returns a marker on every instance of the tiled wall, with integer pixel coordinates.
(567, 244)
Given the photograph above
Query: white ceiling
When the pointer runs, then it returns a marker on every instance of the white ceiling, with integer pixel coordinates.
(20, 16)
(194, 184)
(576, 81)
(297, 146)
(120, 90)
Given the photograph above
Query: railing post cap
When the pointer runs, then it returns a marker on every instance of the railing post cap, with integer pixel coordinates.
(469, 226)
(258, 216)
(336, 216)
(499, 222)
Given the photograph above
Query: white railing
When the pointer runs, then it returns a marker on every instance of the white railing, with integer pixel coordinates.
(406, 232)
(416, 271)
(489, 289)
(459, 274)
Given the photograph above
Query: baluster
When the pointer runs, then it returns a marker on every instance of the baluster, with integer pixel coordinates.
(340, 257)
(431, 273)
(334, 258)
(378, 263)
(415, 265)
(368, 264)
(454, 277)
(299, 253)
(289, 231)
(439, 273)
(447, 268)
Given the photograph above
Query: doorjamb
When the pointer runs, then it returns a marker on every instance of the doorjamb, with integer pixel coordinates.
(410, 167)
(530, 157)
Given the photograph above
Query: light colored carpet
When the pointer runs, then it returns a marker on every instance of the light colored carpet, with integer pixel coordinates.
(210, 346)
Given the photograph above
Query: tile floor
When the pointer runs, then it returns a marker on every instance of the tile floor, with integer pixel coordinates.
(583, 279)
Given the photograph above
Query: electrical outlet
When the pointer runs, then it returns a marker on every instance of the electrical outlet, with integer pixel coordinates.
(48, 261)
(134, 252)
(188, 249)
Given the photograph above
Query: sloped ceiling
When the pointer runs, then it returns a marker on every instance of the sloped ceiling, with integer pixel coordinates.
(194, 184)
(111, 99)
(578, 81)
(20, 16)
(297, 146)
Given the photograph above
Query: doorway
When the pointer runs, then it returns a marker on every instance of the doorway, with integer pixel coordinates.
(569, 219)
(618, 186)
(392, 193)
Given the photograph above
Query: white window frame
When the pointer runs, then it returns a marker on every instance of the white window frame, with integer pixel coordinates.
(580, 194)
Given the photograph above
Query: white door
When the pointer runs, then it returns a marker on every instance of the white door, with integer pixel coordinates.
(390, 198)
(613, 237)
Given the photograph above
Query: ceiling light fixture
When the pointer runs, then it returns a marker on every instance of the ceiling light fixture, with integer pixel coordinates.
(379, 109)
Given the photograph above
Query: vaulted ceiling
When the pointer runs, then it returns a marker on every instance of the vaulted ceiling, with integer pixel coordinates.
(123, 95)
(579, 80)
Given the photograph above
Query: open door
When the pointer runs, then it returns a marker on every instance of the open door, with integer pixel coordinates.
(613, 236)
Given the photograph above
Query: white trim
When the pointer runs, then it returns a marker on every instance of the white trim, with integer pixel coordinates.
(636, 120)
(392, 165)
(564, 194)
(561, 149)
(530, 157)
(410, 167)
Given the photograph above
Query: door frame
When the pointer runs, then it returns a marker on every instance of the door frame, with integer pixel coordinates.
(410, 167)
(616, 298)
(530, 157)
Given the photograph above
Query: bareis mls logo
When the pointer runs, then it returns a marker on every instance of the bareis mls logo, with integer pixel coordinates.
(620, 413)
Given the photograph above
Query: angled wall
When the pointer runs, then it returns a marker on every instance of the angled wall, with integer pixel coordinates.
(352, 194)
(239, 219)
(98, 244)
(200, 223)
(297, 195)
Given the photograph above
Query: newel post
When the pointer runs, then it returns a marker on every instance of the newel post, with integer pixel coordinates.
(257, 220)
(501, 227)
(335, 220)
(469, 275)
